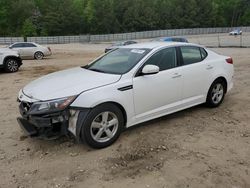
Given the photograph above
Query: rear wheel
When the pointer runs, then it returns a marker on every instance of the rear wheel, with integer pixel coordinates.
(11, 65)
(103, 126)
(216, 93)
(39, 55)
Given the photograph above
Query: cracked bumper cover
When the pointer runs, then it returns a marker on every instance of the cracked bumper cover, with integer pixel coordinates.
(53, 125)
(45, 126)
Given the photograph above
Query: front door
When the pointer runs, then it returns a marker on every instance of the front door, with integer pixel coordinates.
(158, 94)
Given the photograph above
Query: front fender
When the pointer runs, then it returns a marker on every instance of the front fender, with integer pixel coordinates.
(110, 93)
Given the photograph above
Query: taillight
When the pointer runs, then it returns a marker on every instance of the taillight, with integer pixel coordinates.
(230, 60)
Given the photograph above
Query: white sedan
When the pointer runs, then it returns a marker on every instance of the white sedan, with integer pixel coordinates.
(122, 88)
(31, 50)
(236, 32)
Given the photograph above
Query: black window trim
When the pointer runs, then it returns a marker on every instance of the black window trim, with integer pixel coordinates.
(138, 72)
(181, 57)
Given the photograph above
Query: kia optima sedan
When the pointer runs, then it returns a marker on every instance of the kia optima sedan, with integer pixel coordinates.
(125, 87)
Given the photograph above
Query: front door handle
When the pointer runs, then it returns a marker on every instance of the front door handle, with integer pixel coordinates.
(176, 75)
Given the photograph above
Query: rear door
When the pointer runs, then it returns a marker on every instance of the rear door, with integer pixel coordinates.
(196, 72)
(29, 50)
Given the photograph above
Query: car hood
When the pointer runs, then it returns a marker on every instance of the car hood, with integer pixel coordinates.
(67, 83)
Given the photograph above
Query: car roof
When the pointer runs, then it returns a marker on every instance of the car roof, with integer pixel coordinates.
(25, 42)
(154, 45)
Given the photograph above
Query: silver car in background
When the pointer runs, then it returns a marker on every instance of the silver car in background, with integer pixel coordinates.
(31, 50)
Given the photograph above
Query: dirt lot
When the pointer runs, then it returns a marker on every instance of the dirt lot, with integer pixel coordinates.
(195, 148)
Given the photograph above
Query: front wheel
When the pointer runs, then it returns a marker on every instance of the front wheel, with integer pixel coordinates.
(216, 93)
(103, 126)
(11, 65)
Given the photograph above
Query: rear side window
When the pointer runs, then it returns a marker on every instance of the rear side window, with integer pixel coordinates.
(191, 54)
(29, 45)
(203, 53)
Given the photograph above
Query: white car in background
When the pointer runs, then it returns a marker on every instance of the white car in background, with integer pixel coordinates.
(236, 32)
(31, 50)
(120, 89)
(10, 60)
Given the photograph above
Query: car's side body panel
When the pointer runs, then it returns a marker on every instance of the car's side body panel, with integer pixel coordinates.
(110, 93)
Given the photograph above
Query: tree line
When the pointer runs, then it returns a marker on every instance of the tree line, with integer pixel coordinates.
(73, 17)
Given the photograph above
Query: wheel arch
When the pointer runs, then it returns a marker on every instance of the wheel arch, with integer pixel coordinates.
(83, 113)
(223, 79)
(124, 113)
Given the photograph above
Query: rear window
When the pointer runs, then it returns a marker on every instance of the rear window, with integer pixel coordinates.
(192, 54)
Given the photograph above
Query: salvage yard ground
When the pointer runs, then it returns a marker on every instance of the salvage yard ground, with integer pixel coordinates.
(198, 147)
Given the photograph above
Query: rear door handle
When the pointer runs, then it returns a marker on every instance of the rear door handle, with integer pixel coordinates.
(176, 75)
(209, 67)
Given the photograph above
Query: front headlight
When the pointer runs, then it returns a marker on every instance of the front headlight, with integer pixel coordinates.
(51, 106)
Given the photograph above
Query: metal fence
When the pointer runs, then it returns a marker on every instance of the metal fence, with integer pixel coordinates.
(206, 36)
(221, 40)
(9, 40)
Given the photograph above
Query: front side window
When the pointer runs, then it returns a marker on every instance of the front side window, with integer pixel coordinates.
(119, 61)
(191, 55)
(18, 45)
(164, 59)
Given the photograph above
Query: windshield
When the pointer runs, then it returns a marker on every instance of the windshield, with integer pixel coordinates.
(118, 61)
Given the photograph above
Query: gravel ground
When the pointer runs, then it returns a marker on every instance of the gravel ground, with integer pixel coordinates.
(198, 147)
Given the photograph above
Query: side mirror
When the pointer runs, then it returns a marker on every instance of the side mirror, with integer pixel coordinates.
(150, 69)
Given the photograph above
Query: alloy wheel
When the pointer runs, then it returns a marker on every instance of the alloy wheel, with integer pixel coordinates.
(12, 65)
(104, 127)
(217, 93)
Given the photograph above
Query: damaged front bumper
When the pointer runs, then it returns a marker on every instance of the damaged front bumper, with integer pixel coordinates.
(46, 126)
(49, 126)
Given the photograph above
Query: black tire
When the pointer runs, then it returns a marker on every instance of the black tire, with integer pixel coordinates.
(38, 55)
(11, 65)
(87, 129)
(214, 99)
